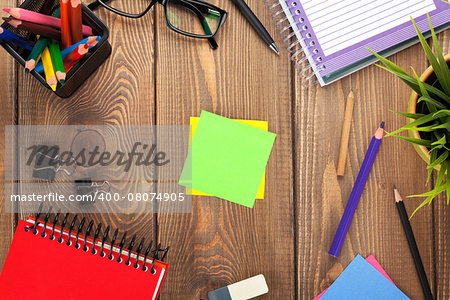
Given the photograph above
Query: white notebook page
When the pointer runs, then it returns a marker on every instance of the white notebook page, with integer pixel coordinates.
(340, 24)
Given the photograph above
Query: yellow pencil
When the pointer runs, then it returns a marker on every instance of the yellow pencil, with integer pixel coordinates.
(50, 76)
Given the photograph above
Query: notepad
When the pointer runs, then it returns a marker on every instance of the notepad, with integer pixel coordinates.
(38, 267)
(263, 125)
(334, 35)
(227, 159)
(360, 280)
(374, 263)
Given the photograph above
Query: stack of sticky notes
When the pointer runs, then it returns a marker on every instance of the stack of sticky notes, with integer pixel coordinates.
(227, 158)
(363, 279)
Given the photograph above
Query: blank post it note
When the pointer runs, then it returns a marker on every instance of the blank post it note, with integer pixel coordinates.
(227, 159)
(360, 280)
(263, 125)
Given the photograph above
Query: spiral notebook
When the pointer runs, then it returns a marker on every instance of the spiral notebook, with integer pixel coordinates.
(39, 267)
(331, 37)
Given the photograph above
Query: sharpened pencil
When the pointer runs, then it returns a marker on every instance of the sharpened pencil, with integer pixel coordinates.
(75, 56)
(15, 39)
(35, 54)
(412, 245)
(66, 36)
(42, 30)
(75, 21)
(343, 148)
(50, 76)
(356, 193)
(42, 19)
(57, 60)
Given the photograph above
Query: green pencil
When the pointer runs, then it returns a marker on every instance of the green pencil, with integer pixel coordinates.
(35, 53)
(55, 52)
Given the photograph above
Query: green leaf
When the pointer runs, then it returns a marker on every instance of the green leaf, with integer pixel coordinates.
(431, 58)
(388, 63)
(428, 99)
(409, 115)
(433, 154)
(438, 160)
(412, 83)
(418, 122)
(420, 142)
(443, 64)
(441, 173)
(442, 126)
(441, 141)
(426, 201)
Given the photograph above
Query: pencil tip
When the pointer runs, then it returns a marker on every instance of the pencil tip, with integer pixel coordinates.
(7, 10)
(382, 125)
(395, 187)
(53, 87)
(62, 81)
(27, 71)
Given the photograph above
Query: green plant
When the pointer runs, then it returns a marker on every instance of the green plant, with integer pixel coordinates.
(434, 121)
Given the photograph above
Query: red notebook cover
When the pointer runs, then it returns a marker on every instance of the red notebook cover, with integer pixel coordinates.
(39, 268)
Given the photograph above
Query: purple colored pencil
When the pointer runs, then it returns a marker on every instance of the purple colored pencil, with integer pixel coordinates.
(358, 188)
(15, 39)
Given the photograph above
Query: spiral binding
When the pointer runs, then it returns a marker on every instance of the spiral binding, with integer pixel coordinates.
(299, 54)
(155, 253)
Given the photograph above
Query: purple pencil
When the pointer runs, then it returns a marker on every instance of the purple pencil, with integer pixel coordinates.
(358, 188)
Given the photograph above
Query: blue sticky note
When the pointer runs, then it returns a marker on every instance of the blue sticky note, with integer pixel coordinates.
(360, 280)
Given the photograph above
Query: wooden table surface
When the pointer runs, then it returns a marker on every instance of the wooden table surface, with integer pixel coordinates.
(155, 76)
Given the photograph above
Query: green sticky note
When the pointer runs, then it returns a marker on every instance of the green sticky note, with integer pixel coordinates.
(227, 159)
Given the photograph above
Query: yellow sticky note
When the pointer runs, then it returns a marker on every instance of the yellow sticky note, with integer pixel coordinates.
(258, 124)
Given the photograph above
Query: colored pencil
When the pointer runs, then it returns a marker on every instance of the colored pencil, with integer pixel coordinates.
(38, 18)
(42, 30)
(17, 40)
(75, 56)
(35, 54)
(75, 21)
(91, 41)
(357, 190)
(50, 76)
(65, 23)
(343, 149)
(412, 245)
(57, 60)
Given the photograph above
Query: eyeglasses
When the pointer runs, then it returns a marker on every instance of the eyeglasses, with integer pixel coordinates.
(191, 18)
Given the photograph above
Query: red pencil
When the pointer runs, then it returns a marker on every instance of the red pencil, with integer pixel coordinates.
(44, 31)
(75, 56)
(66, 36)
(76, 29)
(38, 18)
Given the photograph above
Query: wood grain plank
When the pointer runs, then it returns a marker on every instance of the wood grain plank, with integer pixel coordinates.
(220, 242)
(120, 92)
(8, 98)
(376, 228)
(441, 215)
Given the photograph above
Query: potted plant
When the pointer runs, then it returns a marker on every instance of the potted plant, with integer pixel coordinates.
(428, 114)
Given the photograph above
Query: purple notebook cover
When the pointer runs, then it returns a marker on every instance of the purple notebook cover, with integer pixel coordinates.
(351, 55)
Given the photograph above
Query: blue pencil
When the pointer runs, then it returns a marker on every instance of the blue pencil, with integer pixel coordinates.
(358, 188)
(40, 68)
(15, 39)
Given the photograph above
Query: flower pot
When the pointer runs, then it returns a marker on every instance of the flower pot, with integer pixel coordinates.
(421, 150)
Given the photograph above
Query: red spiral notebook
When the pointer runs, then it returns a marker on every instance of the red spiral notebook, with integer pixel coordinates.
(40, 268)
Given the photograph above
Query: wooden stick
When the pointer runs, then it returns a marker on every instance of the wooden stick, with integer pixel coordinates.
(343, 150)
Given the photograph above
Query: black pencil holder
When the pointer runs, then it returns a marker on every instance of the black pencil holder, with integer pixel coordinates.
(84, 68)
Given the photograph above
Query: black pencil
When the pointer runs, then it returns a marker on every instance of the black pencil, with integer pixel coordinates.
(412, 245)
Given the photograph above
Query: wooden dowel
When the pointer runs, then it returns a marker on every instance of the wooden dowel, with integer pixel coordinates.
(343, 150)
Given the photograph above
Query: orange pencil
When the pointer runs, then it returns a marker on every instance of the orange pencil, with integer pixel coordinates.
(75, 56)
(76, 26)
(66, 37)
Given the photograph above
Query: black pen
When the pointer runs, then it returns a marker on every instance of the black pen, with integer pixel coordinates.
(256, 24)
